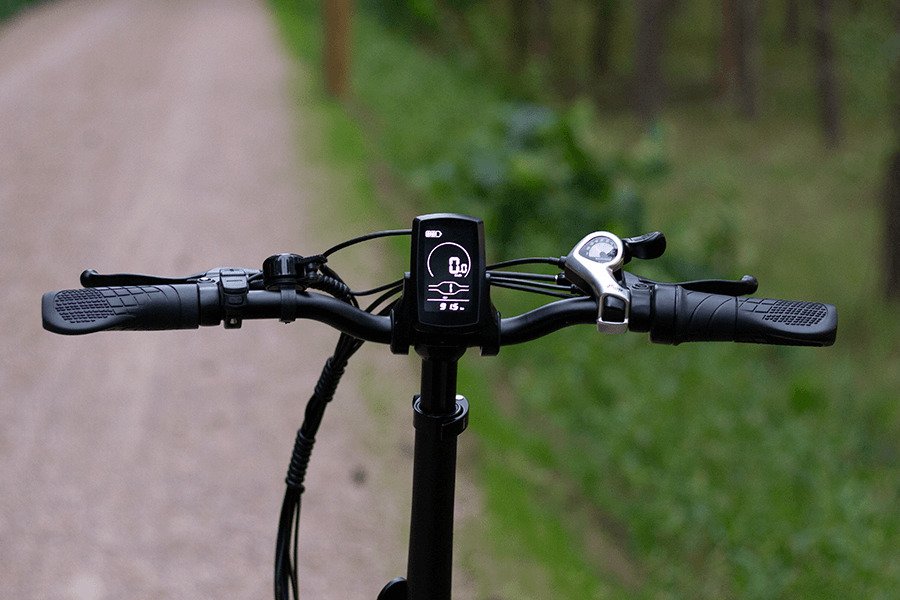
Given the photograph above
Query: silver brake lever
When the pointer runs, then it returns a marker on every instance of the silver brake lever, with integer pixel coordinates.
(592, 265)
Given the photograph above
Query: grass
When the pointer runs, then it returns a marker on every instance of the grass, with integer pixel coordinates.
(616, 469)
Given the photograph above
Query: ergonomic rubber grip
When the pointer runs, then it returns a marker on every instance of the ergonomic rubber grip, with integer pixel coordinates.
(143, 308)
(680, 315)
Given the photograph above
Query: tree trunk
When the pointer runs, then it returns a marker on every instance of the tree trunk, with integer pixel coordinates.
(649, 43)
(337, 47)
(519, 37)
(728, 49)
(607, 12)
(792, 22)
(543, 31)
(826, 74)
(892, 229)
(739, 51)
(892, 181)
(748, 50)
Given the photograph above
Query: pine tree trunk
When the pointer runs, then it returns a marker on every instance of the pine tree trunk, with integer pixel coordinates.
(607, 11)
(792, 22)
(826, 74)
(748, 49)
(520, 35)
(739, 55)
(649, 85)
(543, 31)
(728, 49)
(337, 47)
(892, 181)
(892, 229)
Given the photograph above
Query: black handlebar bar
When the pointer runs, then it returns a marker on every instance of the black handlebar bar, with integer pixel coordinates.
(669, 312)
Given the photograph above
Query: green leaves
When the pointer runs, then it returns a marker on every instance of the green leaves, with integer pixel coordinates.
(533, 173)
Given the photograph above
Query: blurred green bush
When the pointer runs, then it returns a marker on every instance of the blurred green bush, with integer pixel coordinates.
(10, 7)
(532, 173)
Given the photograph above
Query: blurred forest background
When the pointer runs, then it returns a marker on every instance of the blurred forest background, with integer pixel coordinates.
(762, 137)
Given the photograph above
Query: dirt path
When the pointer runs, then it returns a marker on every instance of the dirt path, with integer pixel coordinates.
(158, 137)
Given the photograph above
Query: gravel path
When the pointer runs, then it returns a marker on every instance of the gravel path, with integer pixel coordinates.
(159, 137)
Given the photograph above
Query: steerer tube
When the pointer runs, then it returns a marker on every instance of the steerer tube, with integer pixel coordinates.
(439, 418)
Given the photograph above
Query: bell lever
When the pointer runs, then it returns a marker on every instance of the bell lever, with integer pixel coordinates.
(594, 264)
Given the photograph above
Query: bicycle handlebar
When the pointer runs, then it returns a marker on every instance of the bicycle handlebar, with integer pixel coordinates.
(441, 307)
(669, 312)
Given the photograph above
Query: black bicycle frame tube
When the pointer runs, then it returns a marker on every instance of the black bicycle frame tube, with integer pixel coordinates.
(439, 419)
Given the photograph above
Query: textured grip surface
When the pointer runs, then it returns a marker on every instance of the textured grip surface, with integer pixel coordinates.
(680, 316)
(788, 322)
(88, 310)
(789, 312)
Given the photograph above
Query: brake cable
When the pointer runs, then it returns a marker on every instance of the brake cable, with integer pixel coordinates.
(286, 545)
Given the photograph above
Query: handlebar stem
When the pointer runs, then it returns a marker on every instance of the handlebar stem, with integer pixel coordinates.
(439, 417)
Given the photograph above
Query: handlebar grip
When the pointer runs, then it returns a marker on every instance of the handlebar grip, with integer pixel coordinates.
(678, 315)
(135, 308)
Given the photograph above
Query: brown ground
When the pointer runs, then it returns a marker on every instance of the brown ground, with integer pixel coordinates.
(160, 137)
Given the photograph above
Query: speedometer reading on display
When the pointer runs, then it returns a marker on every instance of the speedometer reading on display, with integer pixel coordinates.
(448, 285)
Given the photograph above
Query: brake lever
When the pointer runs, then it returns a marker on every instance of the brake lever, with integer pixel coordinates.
(726, 287)
(91, 278)
(747, 284)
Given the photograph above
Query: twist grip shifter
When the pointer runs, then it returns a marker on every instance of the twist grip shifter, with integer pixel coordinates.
(594, 265)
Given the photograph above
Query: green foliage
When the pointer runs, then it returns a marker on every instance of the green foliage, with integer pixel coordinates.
(459, 145)
(412, 16)
(10, 7)
(617, 469)
(726, 485)
(532, 173)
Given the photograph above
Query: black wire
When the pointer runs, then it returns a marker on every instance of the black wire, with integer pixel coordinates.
(380, 288)
(289, 509)
(536, 284)
(346, 296)
(287, 554)
(294, 577)
(368, 236)
(536, 260)
(521, 275)
(286, 565)
(394, 290)
(530, 288)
